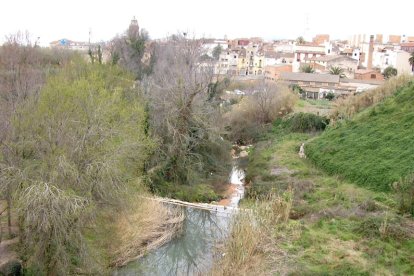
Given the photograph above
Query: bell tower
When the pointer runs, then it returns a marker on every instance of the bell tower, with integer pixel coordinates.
(133, 27)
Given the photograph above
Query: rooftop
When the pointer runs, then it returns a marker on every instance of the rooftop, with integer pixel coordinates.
(309, 77)
(327, 58)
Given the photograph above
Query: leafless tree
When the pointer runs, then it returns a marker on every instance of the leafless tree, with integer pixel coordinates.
(267, 102)
(184, 114)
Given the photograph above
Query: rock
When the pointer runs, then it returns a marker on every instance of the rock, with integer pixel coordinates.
(243, 147)
(302, 151)
(243, 153)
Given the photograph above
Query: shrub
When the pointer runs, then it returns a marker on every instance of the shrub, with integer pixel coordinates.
(330, 96)
(246, 120)
(405, 193)
(306, 122)
(383, 227)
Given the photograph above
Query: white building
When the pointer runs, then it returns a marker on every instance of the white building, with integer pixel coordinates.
(209, 46)
(395, 58)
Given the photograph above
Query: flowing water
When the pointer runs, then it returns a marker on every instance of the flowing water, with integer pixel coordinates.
(193, 251)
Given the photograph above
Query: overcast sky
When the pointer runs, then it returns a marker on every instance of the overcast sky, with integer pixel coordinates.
(72, 19)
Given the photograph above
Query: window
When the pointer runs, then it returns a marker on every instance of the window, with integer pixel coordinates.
(373, 76)
(329, 51)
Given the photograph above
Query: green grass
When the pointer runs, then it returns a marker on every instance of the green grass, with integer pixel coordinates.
(337, 223)
(320, 103)
(374, 149)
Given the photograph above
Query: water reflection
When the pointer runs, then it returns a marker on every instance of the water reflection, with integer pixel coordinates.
(191, 253)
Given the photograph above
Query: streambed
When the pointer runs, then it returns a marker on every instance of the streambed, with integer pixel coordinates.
(193, 251)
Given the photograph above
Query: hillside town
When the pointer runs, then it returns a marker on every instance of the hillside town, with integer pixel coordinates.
(316, 67)
(276, 152)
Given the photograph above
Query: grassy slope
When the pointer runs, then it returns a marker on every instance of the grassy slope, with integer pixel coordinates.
(336, 224)
(375, 148)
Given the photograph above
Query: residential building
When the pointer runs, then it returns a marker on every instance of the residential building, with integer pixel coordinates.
(394, 39)
(320, 39)
(325, 63)
(368, 74)
(272, 72)
(315, 86)
(210, 44)
(408, 47)
(70, 44)
(273, 58)
(361, 85)
(395, 58)
(284, 47)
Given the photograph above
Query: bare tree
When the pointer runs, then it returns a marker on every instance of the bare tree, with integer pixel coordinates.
(249, 118)
(184, 113)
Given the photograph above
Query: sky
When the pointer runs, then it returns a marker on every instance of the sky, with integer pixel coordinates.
(274, 19)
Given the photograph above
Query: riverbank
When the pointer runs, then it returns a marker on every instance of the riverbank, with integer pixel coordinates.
(126, 234)
(334, 226)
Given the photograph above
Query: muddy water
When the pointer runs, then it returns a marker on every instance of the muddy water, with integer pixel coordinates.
(193, 251)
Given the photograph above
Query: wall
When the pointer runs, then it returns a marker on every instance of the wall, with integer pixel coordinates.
(272, 73)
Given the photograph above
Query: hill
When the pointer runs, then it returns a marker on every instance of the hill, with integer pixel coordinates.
(375, 148)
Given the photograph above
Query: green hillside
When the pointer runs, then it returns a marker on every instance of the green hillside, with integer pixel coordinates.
(375, 148)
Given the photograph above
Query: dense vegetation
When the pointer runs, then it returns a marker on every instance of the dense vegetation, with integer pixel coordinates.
(79, 144)
(79, 139)
(334, 228)
(373, 149)
(82, 143)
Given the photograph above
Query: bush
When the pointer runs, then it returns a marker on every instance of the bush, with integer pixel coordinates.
(405, 193)
(306, 122)
(247, 120)
(330, 96)
(382, 227)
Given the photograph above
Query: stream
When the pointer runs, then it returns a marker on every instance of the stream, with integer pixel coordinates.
(195, 249)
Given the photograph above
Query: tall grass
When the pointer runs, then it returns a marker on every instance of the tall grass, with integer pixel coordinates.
(348, 107)
(145, 226)
(251, 243)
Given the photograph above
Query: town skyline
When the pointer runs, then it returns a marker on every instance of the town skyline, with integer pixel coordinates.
(49, 21)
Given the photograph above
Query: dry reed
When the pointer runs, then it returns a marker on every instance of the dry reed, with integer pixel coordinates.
(252, 245)
(145, 226)
(348, 107)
